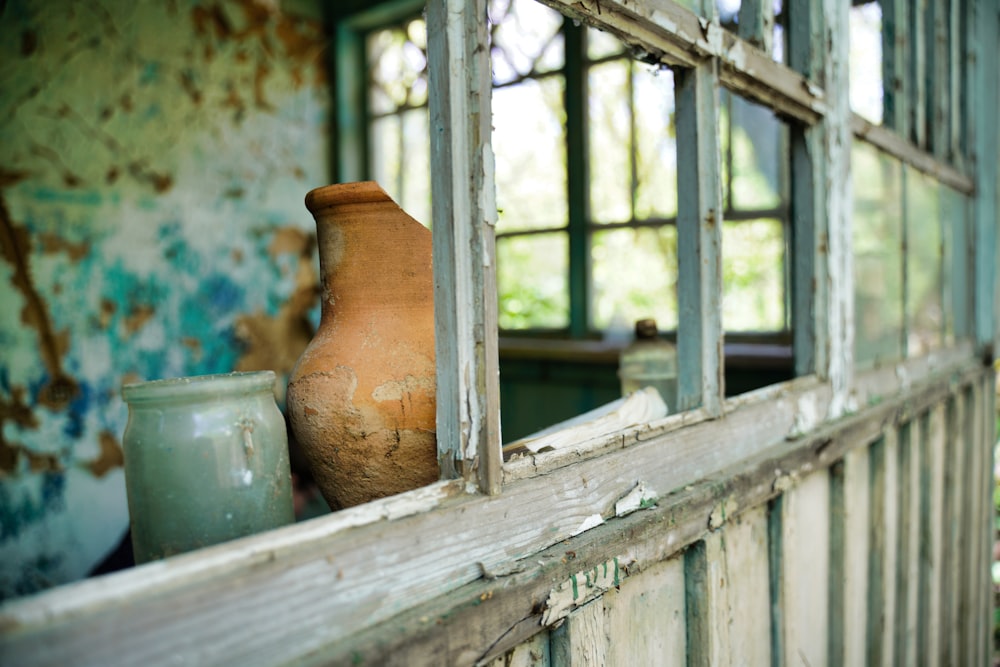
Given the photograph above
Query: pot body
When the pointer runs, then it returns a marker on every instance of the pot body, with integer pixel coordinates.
(361, 399)
(206, 460)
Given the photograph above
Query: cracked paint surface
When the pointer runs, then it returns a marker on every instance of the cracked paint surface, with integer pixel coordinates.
(153, 162)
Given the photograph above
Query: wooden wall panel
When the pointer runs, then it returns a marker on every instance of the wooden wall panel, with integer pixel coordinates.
(890, 554)
(532, 653)
(805, 545)
(738, 565)
(908, 564)
(728, 593)
(856, 516)
(934, 564)
(957, 546)
(582, 640)
(646, 619)
(640, 623)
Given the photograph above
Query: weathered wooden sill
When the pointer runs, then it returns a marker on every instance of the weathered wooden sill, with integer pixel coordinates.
(392, 569)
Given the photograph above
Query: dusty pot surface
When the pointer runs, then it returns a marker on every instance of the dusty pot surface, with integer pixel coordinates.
(361, 399)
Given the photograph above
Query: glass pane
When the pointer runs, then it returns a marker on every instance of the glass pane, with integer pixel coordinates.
(416, 181)
(398, 67)
(865, 34)
(957, 263)
(724, 144)
(634, 275)
(729, 10)
(386, 142)
(753, 276)
(610, 142)
(532, 281)
(526, 39)
(778, 45)
(530, 148)
(757, 151)
(602, 45)
(878, 255)
(924, 280)
(655, 142)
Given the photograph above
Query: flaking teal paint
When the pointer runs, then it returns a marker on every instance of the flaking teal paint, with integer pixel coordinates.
(123, 182)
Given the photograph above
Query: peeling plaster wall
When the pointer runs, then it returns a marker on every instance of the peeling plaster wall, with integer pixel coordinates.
(153, 163)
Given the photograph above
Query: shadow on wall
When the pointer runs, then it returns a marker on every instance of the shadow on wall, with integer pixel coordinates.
(153, 162)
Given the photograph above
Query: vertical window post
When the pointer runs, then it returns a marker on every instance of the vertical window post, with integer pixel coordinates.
(821, 198)
(699, 239)
(464, 215)
(981, 107)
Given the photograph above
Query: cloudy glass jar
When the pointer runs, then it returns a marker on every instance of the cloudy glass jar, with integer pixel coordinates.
(206, 460)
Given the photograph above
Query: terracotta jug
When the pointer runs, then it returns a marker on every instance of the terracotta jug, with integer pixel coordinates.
(361, 399)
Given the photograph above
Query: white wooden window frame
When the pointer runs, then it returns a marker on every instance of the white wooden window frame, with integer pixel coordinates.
(300, 593)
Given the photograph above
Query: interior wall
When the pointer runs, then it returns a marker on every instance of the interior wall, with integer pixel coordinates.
(153, 162)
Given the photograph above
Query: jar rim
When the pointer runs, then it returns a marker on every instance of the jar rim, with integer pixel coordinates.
(198, 386)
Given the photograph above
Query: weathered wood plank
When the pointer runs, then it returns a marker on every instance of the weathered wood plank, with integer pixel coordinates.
(532, 653)
(972, 525)
(836, 645)
(933, 549)
(955, 555)
(908, 579)
(646, 617)
(877, 540)
(659, 535)
(739, 591)
(891, 553)
(464, 214)
(856, 517)
(315, 578)
(705, 634)
(805, 544)
(987, 520)
(582, 641)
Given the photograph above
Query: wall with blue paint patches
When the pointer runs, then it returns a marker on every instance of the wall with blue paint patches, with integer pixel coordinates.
(153, 163)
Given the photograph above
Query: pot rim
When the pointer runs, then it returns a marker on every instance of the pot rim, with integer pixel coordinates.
(345, 194)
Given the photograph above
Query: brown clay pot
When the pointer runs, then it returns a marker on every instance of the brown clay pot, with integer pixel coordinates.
(361, 399)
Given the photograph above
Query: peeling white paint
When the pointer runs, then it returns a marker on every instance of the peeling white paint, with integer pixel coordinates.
(591, 521)
(807, 416)
(640, 497)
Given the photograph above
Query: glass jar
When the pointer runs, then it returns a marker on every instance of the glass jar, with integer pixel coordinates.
(649, 361)
(206, 460)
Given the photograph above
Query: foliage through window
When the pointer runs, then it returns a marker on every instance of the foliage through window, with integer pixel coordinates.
(586, 176)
